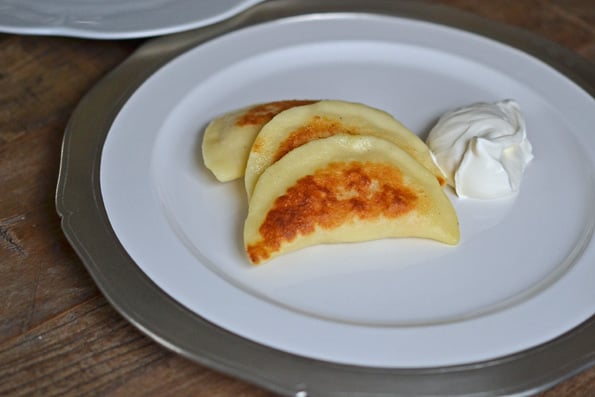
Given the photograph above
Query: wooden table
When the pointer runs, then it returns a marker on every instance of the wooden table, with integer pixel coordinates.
(58, 334)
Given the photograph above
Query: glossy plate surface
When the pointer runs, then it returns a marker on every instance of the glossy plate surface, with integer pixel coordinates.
(113, 19)
(520, 278)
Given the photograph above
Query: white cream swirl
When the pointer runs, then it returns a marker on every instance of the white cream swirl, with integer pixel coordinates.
(482, 149)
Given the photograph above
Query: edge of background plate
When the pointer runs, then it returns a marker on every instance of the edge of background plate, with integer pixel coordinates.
(62, 25)
(140, 301)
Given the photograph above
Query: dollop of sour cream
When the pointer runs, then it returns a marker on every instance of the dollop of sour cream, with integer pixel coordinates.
(482, 149)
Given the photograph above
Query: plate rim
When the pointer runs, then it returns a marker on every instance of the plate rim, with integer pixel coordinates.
(62, 26)
(86, 226)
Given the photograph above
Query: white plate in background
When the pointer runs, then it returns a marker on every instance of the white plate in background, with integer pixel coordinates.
(114, 19)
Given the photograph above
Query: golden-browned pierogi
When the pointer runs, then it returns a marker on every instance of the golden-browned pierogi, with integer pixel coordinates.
(227, 139)
(345, 188)
(296, 126)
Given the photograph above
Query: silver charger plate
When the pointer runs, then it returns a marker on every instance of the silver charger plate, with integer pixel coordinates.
(142, 301)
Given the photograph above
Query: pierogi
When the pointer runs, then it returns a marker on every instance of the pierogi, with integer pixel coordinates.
(227, 139)
(296, 126)
(345, 188)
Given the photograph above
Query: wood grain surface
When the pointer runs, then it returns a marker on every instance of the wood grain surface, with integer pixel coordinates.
(58, 334)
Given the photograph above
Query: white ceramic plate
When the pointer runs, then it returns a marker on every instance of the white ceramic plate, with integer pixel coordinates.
(113, 19)
(522, 275)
